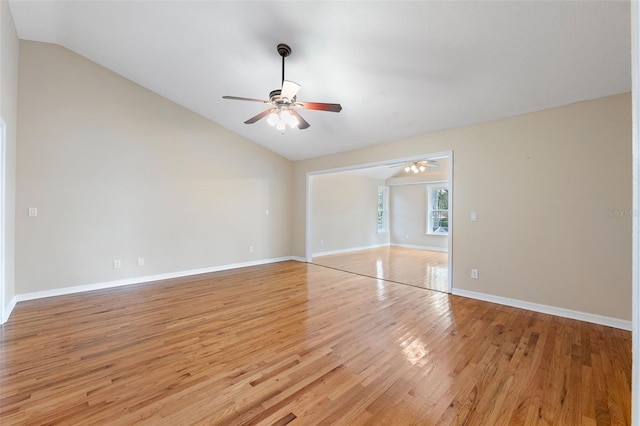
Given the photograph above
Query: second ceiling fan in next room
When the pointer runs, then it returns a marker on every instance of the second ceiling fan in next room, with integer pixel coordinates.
(417, 166)
(284, 103)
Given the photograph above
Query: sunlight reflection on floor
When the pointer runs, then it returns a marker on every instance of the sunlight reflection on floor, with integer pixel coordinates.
(417, 267)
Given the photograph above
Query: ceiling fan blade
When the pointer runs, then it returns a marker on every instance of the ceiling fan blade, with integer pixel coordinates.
(236, 98)
(319, 106)
(289, 89)
(259, 116)
(302, 122)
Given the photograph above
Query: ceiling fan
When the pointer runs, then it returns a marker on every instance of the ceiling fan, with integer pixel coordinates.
(417, 166)
(284, 105)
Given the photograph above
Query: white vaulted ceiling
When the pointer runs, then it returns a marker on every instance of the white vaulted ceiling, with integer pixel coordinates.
(399, 69)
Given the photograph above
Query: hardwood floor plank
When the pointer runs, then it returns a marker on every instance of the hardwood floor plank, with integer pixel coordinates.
(295, 343)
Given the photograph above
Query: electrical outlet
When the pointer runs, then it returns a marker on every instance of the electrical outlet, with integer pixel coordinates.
(141, 261)
(321, 243)
(250, 249)
(33, 211)
(474, 274)
(117, 264)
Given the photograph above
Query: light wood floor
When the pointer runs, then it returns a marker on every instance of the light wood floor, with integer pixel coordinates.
(420, 268)
(304, 344)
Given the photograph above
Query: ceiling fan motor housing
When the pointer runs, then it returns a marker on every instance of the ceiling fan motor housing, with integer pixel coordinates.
(275, 96)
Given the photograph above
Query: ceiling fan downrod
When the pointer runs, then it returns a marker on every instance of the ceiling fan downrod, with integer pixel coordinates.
(284, 50)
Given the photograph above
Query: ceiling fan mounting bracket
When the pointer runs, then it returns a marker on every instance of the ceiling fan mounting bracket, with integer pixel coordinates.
(284, 50)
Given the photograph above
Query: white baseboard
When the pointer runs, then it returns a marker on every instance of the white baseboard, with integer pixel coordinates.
(348, 250)
(299, 259)
(8, 309)
(139, 280)
(441, 249)
(546, 309)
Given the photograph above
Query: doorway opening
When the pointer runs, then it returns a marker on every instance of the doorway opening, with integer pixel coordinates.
(381, 220)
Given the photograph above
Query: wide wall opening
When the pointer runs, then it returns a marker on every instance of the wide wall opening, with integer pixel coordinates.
(389, 221)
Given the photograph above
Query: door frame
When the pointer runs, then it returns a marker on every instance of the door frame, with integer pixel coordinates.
(4, 313)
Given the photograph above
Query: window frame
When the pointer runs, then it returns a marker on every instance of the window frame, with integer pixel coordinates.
(431, 189)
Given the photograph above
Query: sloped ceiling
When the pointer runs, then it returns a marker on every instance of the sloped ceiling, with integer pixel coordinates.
(399, 69)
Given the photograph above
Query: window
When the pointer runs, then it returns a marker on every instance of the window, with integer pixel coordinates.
(438, 209)
(383, 209)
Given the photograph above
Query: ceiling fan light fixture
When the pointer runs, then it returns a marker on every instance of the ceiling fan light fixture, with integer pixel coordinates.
(293, 122)
(273, 119)
(282, 118)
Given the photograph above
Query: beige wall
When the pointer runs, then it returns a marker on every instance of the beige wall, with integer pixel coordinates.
(119, 172)
(553, 192)
(9, 110)
(344, 212)
(408, 205)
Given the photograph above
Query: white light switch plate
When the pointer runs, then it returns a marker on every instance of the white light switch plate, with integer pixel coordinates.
(33, 211)
(474, 216)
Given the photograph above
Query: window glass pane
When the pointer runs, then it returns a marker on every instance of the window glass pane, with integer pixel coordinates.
(439, 210)
(442, 196)
(440, 222)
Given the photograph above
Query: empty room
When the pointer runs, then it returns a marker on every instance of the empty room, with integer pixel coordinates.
(326, 212)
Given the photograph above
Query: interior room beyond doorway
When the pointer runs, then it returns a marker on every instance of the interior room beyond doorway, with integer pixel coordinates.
(389, 221)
